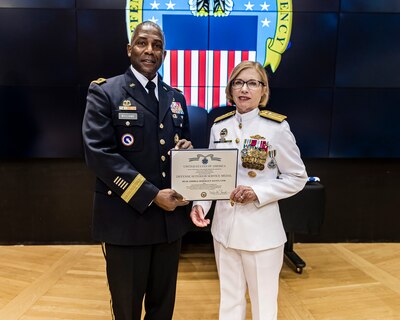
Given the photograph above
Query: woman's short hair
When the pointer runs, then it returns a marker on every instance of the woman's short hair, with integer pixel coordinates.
(238, 69)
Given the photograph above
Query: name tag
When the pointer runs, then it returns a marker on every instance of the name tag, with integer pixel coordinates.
(127, 116)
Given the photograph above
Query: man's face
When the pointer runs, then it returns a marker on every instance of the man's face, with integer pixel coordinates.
(146, 50)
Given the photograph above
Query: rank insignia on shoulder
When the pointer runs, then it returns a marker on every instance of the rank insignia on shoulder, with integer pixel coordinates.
(272, 115)
(99, 81)
(177, 89)
(225, 116)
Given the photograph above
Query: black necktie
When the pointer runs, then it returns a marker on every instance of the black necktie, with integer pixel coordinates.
(152, 96)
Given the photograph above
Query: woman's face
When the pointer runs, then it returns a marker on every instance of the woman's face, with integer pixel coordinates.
(245, 98)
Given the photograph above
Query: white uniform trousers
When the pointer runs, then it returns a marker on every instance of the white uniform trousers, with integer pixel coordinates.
(256, 270)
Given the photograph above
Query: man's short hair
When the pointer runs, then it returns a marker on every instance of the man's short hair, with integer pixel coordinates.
(149, 23)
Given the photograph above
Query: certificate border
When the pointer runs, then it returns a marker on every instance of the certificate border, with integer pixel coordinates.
(196, 151)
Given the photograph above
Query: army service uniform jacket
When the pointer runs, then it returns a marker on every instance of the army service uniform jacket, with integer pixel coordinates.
(256, 225)
(126, 144)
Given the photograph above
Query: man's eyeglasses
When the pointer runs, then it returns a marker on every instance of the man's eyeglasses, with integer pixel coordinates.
(251, 84)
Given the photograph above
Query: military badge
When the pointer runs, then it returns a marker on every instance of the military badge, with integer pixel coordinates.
(272, 164)
(223, 134)
(258, 137)
(176, 107)
(176, 138)
(254, 153)
(200, 57)
(126, 105)
(127, 140)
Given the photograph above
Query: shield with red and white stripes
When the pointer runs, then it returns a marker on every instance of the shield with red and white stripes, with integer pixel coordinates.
(200, 60)
(202, 75)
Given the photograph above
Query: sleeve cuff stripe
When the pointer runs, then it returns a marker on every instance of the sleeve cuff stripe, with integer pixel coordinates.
(133, 188)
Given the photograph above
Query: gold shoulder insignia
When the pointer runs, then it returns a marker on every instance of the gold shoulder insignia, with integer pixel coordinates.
(272, 115)
(225, 116)
(177, 89)
(100, 80)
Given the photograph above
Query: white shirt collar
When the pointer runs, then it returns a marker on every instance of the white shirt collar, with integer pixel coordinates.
(143, 80)
(242, 117)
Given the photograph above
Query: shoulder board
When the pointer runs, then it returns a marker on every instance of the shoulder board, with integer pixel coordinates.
(225, 116)
(99, 80)
(177, 89)
(272, 115)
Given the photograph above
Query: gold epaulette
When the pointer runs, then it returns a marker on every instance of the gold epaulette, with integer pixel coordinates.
(272, 115)
(99, 80)
(177, 89)
(225, 116)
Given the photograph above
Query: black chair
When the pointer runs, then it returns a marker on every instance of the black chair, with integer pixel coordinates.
(303, 213)
(198, 126)
(214, 114)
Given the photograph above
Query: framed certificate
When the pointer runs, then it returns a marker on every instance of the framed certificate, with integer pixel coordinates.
(204, 174)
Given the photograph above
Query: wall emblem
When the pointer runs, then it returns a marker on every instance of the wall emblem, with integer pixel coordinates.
(206, 39)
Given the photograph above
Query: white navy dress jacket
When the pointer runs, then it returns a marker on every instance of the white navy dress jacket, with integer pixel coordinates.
(256, 225)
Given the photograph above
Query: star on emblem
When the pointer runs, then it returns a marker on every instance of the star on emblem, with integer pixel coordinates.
(153, 19)
(154, 5)
(265, 23)
(170, 5)
(264, 6)
(249, 6)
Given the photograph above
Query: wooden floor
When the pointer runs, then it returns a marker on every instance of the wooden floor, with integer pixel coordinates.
(341, 281)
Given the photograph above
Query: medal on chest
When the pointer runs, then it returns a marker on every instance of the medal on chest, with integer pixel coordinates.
(272, 164)
(254, 153)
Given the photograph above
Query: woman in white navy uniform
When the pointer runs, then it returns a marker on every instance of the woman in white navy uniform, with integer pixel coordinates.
(247, 229)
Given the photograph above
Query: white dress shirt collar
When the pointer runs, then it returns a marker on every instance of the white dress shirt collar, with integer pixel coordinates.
(143, 80)
(243, 117)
